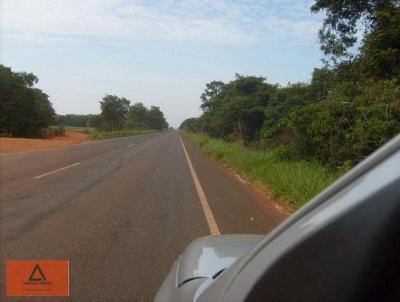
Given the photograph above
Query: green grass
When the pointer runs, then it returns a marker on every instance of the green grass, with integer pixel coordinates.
(108, 134)
(296, 181)
(80, 129)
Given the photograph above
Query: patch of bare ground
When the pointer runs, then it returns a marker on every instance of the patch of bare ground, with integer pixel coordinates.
(14, 145)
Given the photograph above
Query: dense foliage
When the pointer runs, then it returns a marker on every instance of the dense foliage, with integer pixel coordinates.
(349, 108)
(24, 110)
(117, 114)
(342, 129)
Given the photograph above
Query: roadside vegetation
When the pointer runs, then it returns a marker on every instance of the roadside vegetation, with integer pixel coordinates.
(118, 133)
(54, 131)
(79, 129)
(307, 134)
(294, 180)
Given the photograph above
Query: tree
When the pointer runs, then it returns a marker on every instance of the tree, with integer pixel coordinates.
(24, 110)
(189, 124)
(235, 110)
(322, 83)
(138, 116)
(117, 114)
(210, 95)
(44, 112)
(114, 112)
(380, 53)
(156, 119)
(343, 21)
(94, 120)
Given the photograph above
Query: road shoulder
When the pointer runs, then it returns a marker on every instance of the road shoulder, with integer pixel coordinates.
(239, 207)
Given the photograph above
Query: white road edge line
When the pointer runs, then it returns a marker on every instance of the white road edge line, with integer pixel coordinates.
(212, 224)
(58, 170)
(131, 145)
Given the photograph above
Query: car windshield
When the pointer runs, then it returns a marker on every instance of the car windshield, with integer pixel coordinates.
(128, 129)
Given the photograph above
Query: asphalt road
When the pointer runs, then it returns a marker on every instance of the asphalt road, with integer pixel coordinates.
(120, 210)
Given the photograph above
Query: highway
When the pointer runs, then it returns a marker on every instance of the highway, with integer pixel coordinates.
(120, 210)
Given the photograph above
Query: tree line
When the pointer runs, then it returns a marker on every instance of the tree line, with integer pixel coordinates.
(117, 113)
(77, 120)
(350, 107)
(25, 111)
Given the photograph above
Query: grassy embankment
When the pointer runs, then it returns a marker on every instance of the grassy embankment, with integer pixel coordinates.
(295, 181)
(108, 134)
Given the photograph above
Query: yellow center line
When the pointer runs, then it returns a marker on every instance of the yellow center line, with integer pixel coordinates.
(58, 170)
(212, 224)
(131, 145)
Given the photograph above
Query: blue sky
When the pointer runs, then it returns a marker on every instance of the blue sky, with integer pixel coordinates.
(158, 52)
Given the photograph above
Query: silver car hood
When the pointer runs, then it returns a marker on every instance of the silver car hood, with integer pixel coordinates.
(208, 256)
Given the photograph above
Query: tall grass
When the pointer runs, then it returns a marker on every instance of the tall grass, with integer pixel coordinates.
(108, 134)
(296, 181)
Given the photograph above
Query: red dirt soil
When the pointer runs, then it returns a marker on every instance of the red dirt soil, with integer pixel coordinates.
(12, 145)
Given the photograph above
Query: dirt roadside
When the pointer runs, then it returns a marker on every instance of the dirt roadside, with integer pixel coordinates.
(13, 145)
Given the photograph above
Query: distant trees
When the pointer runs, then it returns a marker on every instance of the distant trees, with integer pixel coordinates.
(78, 120)
(190, 124)
(156, 119)
(114, 112)
(24, 110)
(137, 116)
(117, 113)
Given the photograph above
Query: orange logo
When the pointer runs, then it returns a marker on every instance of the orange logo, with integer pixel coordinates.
(37, 278)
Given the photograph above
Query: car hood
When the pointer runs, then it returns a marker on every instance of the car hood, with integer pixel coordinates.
(208, 256)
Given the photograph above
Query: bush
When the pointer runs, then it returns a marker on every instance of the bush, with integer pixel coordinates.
(343, 129)
(52, 131)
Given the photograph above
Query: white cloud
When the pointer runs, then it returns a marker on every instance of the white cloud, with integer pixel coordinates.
(204, 21)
